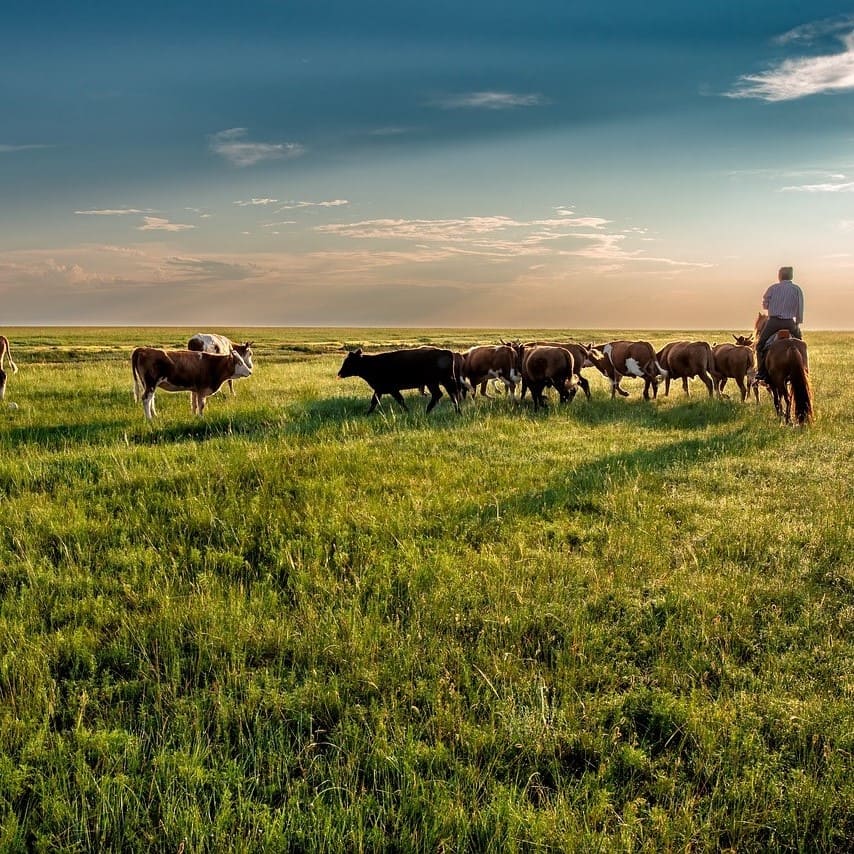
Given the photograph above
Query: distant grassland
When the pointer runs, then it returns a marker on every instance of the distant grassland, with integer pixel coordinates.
(615, 626)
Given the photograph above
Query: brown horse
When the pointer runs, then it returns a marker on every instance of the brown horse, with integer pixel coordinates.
(787, 366)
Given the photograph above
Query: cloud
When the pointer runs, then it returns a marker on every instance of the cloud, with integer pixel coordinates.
(802, 76)
(157, 223)
(844, 187)
(250, 202)
(8, 149)
(115, 211)
(209, 270)
(817, 29)
(234, 147)
(489, 101)
(278, 223)
(292, 206)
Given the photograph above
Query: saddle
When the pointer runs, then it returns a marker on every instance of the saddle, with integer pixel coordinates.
(777, 336)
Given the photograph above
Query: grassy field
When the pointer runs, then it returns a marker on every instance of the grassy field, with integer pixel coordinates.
(612, 626)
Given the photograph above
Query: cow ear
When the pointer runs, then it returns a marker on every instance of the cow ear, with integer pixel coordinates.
(357, 351)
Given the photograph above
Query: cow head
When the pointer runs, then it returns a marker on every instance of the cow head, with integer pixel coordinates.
(351, 364)
(743, 340)
(597, 355)
(591, 356)
(241, 369)
(245, 353)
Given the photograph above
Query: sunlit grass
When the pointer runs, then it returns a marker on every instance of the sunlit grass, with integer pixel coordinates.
(290, 626)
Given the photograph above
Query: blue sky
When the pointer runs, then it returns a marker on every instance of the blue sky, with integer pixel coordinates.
(498, 164)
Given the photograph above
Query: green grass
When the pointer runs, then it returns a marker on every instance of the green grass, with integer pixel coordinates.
(615, 626)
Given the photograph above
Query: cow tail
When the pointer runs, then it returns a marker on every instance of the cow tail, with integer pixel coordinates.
(138, 385)
(802, 391)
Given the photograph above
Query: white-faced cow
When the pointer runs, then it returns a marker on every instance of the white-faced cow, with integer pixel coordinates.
(628, 359)
(492, 362)
(5, 351)
(684, 359)
(201, 374)
(391, 372)
(543, 366)
(205, 342)
(736, 361)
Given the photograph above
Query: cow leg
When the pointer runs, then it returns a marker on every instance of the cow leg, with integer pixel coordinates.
(148, 404)
(200, 403)
(707, 380)
(483, 387)
(585, 386)
(399, 398)
(739, 381)
(374, 401)
(231, 386)
(666, 386)
(435, 394)
(454, 392)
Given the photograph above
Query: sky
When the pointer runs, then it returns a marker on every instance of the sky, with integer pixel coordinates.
(481, 164)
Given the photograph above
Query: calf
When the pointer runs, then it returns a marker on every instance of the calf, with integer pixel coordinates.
(684, 359)
(201, 374)
(735, 361)
(5, 351)
(627, 359)
(389, 373)
(204, 342)
(545, 365)
(498, 362)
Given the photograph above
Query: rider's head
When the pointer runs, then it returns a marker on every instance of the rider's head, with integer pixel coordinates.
(785, 274)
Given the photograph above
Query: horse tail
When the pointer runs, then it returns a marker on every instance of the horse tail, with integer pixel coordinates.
(802, 390)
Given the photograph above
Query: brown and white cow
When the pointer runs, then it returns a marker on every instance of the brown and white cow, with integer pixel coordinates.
(207, 342)
(684, 359)
(736, 361)
(492, 362)
(627, 359)
(545, 365)
(5, 351)
(201, 374)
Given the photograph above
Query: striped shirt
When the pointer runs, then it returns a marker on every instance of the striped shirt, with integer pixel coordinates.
(784, 299)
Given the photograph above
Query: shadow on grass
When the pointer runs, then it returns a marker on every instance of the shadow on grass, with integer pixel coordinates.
(581, 488)
(58, 436)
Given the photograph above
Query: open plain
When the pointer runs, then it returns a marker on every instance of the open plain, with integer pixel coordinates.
(289, 626)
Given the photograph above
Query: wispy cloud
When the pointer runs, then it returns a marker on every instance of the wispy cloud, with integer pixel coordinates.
(245, 203)
(844, 187)
(115, 211)
(278, 223)
(815, 30)
(158, 223)
(489, 100)
(8, 149)
(206, 270)
(800, 77)
(233, 145)
(332, 203)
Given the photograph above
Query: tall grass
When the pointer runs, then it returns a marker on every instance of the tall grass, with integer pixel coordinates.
(615, 625)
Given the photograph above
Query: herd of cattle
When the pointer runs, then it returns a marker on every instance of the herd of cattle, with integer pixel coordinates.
(210, 361)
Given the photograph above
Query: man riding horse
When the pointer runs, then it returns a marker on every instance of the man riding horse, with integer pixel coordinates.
(784, 302)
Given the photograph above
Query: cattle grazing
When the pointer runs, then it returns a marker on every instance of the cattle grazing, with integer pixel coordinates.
(199, 373)
(735, 361)
(204, 342)
(497, 362)
(5, 351)
(627, 359)
(391, 372)
(543, 366)
(684, 359)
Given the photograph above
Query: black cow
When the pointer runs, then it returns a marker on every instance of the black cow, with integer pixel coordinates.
(388, 373)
